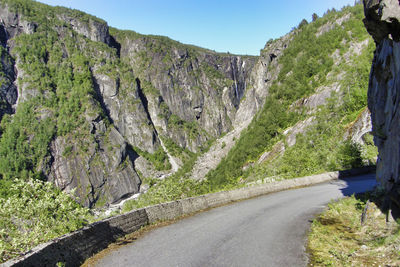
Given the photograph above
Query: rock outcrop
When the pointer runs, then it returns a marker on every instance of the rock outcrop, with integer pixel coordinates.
(8, 89)
(382, 20)
(104, 174)
(92, 28)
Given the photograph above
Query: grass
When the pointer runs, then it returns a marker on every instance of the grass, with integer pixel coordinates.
(338, 238)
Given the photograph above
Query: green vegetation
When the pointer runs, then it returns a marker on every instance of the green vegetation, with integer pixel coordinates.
(177, 151)
(261, 133)
(35, 212)
(191, 128)
(159, 158)
(321, 148)
(169, 189)
(24, 144)
(338, 238)
(174, 187)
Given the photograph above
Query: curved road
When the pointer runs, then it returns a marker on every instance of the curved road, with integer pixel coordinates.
(265, 231)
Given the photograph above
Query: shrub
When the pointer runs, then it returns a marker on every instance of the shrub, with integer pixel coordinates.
(33, 213)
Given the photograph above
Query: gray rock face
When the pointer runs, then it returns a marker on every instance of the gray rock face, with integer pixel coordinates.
(382, 22)
(265, 71)
(92, 29)
(8, 90)
(11, 25)
(127, 113)
(262, 75)
(102, 175)
(382, 19)
(359, 128)
(199, 87)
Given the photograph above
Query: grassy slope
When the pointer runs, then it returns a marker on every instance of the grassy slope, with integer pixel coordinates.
(306, 64)
(322, 147)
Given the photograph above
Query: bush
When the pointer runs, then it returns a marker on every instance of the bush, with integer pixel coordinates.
(33, 213)
(159, 158)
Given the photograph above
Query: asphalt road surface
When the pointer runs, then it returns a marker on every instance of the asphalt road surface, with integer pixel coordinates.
(266, 231)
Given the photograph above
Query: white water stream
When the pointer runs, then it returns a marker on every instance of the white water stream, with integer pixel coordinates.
(174, 165)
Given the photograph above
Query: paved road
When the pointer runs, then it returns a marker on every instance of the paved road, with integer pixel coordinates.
(265, 231)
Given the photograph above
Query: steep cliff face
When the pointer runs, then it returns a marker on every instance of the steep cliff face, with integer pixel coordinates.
(193, 94)
(382, 20)
(58, 97)
(261, 77)
(264, 73)
(8, 90)
(89, 108)
(104, 174)
(10, 26)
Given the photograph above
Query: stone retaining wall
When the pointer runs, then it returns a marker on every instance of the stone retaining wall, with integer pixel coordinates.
(74, 248)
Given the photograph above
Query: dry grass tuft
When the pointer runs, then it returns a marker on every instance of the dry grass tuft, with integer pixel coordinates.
(338, 238)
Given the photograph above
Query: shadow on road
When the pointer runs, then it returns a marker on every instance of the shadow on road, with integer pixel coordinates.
(358, 184)
(363, 185)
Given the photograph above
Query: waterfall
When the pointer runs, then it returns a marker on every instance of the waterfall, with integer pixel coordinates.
(234, 78)
(236, 87)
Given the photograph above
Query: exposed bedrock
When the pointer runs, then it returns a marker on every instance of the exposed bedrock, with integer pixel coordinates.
(382, 22)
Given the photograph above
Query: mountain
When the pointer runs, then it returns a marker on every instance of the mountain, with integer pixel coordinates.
(97, 109)
(107, 113)
(104, 114)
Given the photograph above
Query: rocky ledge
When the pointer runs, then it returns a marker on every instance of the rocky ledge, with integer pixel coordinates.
(382, 19)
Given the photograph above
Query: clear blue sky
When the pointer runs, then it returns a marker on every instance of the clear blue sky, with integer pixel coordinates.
(235, 26)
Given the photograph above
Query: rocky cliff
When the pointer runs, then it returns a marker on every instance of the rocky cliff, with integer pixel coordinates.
(382, 20)
(192, 94)
(262, 76)
(96, 110)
